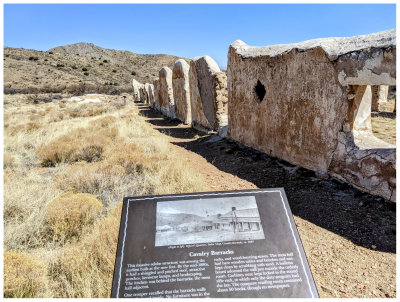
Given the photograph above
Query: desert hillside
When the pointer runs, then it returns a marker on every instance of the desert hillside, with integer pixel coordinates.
(64, 68)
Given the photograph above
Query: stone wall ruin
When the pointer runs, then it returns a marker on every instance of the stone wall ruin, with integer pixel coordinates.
(157, 99)
(208, 94)
(309, 103)
(135, 88)
(167, 104)
(181, 91)
(142, 94)
(150, 94)
(379, 96)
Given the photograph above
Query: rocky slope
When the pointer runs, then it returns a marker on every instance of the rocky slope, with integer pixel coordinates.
(61, 68)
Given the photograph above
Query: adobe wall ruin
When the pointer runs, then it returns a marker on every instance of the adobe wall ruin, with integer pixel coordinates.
(167, 104)
(208, 95)
(309, 103)
(135, 87)
(181, 91)
(150, 94)
(142, 94)
(157, 99)
(379, 96)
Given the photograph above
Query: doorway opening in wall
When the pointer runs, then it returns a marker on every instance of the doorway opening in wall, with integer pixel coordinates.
(383, 113)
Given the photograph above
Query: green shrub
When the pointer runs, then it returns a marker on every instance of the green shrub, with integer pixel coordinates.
(114, 71)
(133, 73)
(86, 73)
(84, 69)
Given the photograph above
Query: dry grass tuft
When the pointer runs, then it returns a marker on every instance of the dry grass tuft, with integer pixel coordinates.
(9, 161)
(61, 149)
(92, 178)
(78, 145)
(131, 157)
(24, 276)
(85, 269)
(68, 214)
(103, 121)
(28, 127)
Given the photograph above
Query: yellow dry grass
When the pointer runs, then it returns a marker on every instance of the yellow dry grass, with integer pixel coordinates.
(69, 213)
(24, 276)
(384, 127)
(384, 122)
(103, 149)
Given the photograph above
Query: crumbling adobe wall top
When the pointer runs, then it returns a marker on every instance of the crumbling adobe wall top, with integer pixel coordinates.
(182, 65)
(208, 62)
(334, 47)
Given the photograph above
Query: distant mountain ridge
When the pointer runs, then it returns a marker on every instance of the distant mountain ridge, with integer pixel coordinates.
(84, 49)
(79, 63)
(176, 219)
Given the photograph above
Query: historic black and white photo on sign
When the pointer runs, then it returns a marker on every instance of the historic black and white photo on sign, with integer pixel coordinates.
(208, 220)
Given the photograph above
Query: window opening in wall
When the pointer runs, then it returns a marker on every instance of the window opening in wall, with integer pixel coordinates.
(371, 129)
(383, 115)
(260, 91)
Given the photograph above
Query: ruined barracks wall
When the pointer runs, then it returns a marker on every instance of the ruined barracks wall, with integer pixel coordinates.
(157, 99)
(305, 103)
(136, 86)
(181, 91)
(150, 92)
(166, 94)
(147, 93)
(142, 94)
(208, 94)
(379, 96)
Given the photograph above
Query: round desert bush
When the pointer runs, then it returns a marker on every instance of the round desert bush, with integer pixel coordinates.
(85, 268)
(82, 144)
(129, 156)
(91, 153)
(103, 122)
(59, 150)
(9, 161)
(24, 276)
(94, 178)
(69, 213)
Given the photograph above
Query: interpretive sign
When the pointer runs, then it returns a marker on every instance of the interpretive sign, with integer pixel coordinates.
(216, 244)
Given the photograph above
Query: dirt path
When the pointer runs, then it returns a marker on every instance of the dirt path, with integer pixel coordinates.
(349, 237)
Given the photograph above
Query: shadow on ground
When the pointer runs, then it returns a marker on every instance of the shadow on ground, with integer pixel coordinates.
(390, 115)
(366, 220)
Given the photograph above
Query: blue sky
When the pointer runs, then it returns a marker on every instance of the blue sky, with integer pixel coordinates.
(187, 30)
